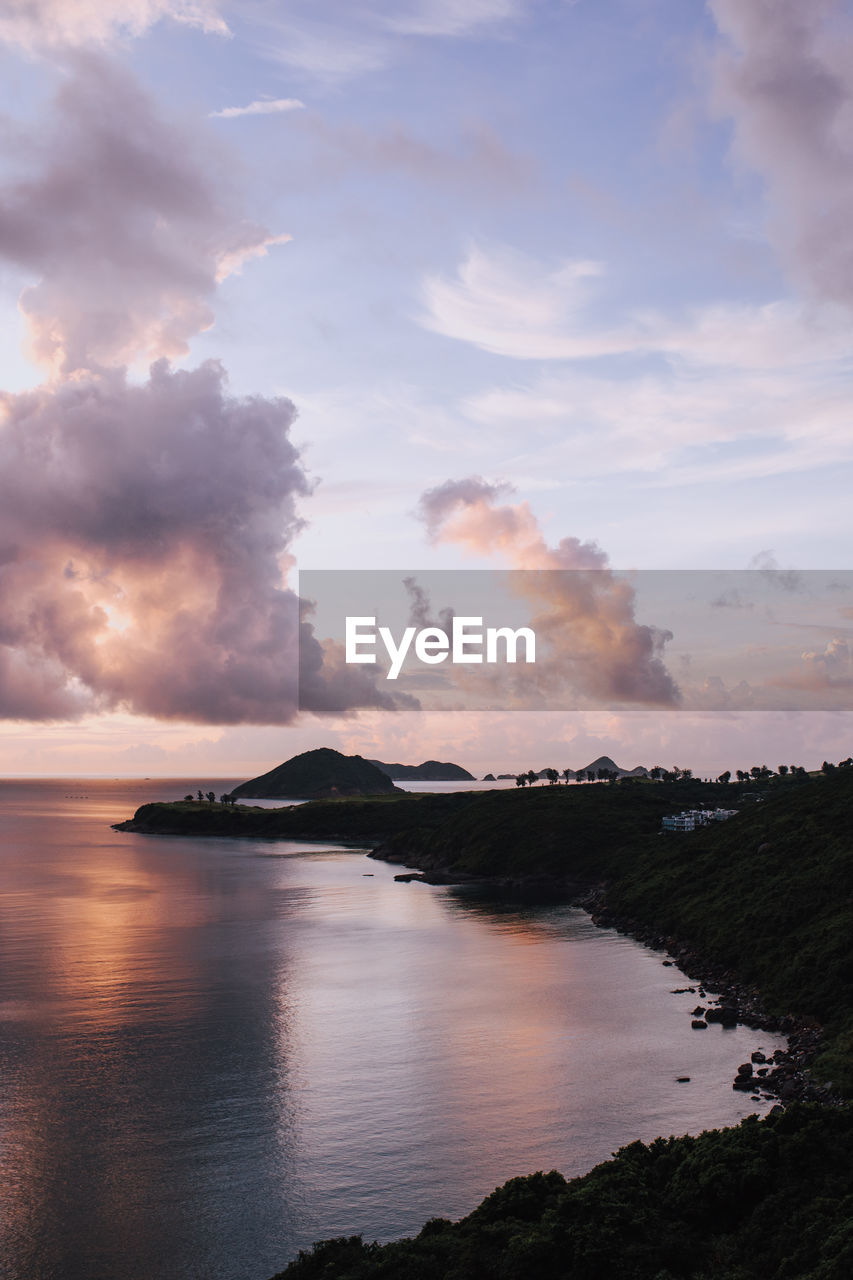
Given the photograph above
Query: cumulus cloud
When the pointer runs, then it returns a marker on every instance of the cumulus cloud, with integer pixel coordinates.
(768, 566)
(145, 533)
(785, 79)
(120, 226)
(39, 23)
(829, 667)
(714, 695)
(585, 620)
(145, 529)
(260, 107)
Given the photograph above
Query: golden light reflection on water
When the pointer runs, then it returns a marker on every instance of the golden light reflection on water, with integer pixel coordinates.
(214, 1052)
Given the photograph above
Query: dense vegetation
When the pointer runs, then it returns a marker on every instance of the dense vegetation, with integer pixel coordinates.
(576, 834)
(767, 894)
(363, 820)
(322, 772)
(770, 1199)
(770, 895)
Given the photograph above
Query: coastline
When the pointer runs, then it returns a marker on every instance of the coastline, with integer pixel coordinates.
(783, 1076)
(734, 906)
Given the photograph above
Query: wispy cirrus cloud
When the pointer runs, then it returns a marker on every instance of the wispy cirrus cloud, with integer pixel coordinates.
(510, 304)
(56, 23)
(341, 40)
(260, 107)
(451, 17)
(702, 394)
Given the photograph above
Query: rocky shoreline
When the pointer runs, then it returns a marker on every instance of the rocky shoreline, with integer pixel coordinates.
(783, 1076)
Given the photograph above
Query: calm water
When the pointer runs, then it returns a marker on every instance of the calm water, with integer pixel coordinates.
(214, 1052)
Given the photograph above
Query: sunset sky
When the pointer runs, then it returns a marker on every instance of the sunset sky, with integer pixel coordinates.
(425, 284)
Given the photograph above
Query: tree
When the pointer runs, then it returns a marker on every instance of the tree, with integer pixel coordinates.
(200, 795)
(725, 777)
(552, 775)
(532, 777)
(782, 770)
(826, 767)
(226, 799)
(521, 780)
(566, 775)
(211, 795)
(190, 798)
(687, 774)
(590, 776)
(655, 772)
(756, 771)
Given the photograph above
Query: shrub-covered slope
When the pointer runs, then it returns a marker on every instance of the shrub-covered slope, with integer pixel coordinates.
(768, 1200)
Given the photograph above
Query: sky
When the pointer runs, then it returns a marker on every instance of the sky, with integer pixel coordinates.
(423, 285)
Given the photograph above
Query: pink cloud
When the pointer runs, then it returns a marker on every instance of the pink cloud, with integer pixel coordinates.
(584, 617)
(49, 23)
(121, 225)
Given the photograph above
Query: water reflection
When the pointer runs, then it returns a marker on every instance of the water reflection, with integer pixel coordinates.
(214, 1052)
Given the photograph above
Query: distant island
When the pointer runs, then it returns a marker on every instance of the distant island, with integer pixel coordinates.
(596, 769)
(429, 771)
(318, 775)
(605, 762)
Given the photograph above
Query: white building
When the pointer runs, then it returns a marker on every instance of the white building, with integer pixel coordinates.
(679, 822)
(693, 818)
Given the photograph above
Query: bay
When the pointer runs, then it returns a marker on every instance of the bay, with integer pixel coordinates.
(213, 1052)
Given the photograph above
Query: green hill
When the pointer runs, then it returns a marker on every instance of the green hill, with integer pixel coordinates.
(319, 774)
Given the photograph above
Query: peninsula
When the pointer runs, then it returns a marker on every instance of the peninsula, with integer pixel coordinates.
(759, 908)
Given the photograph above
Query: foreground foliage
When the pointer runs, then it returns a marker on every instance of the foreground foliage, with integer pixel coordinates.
(770, 1199)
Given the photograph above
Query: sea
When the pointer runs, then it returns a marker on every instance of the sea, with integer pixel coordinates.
(216, 1051)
